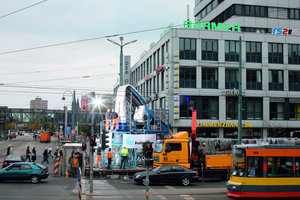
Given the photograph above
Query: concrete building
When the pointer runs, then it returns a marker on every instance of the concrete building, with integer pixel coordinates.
(199, 68)
(39, 104)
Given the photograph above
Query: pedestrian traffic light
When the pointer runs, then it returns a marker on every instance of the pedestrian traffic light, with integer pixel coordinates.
(147, 149)
(105, 141)
(93, 141)
(83, 146)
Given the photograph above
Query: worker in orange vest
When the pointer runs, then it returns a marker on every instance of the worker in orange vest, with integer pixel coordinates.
(107, 119)
(114, 116)
(109, 158)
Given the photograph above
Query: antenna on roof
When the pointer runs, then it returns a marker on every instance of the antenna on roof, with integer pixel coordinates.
(188, 12)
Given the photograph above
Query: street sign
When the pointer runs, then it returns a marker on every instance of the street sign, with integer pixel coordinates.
(68, 130)
(73, 132)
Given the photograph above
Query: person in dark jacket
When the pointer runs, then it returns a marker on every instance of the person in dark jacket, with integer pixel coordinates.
(33, 157)
(28, 154)
(107, 119)
(45, 156)
(8, 150)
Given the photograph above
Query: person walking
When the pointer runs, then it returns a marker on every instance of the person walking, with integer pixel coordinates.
(99, 157)
(109, 158)
(28, 154)
(50, 152)
(124, 156)
(107, 119)
(114, 116)
(11, 150)
(45, 156)
(33, 157)
(8, 150)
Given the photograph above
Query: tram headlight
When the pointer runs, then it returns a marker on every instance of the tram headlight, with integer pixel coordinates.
(234, 187)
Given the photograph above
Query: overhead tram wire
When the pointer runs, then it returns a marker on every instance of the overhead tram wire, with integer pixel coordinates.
(84, 40)
(11, 13)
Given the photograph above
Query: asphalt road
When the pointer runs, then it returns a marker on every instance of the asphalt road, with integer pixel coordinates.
(58, 188)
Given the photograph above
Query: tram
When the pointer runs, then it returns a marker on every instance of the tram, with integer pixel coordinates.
(265, 171)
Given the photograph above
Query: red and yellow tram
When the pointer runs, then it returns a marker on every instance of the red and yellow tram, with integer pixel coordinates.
(265, 171)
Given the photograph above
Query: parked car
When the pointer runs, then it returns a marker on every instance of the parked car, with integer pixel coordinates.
(12, 159)
(24, 171)
(169, 174)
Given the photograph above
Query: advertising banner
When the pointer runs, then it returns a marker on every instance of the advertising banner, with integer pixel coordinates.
(136, 141)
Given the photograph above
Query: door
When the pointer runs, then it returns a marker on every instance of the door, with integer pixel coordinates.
(162, 176)
(26, 171)
(12, 172)
(172, 152)
(176, 174)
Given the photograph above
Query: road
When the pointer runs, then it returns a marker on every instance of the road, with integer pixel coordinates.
(52, 188)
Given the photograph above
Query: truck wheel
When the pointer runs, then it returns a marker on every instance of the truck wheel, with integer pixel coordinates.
(34, 179)
(144, 181)
(185, 181)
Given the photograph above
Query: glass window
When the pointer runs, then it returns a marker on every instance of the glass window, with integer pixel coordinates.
(173, 147)
(187, 77)
(280, 167)
(294, 111)
(275, 80)
(253, 52)
(158, 146)
(297, 164)
(254, 166)
(254, 79)
(26, 167)
(276, 111)
(210, 50)
(294, 80)
(253, 108)
(187, 48)
(294, 54)
(231, 79)
(275, 53)
(210, 78)
(231, 108)
(232, 51)
(238, 162)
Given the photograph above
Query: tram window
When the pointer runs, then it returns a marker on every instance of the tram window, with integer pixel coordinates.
(238, 162)
(280, 167)
(255, 166)
(297, 162)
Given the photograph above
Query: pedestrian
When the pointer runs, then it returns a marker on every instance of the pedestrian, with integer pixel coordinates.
(56, 152)
(35, 136)
(45, 156)
(107, 119)
(80, 160)
(71, 163)
(124, 156)
(11, 150)
(109, 158)
(114, 117)
(8, 150)
(50, 152)
(99, 157)
(33, 157)
(61, 154)
(28, 154)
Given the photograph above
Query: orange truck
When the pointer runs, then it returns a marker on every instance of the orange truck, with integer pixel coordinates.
(45, 137)
(179, 149)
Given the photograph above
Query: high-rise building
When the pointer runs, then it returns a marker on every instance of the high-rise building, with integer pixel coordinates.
(197, 66)
(39, 104)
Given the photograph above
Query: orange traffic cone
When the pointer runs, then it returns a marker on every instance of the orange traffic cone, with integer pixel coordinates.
(67, 174)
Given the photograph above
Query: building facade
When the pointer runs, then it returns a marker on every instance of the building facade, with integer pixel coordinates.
(199, 68)
(39, 104)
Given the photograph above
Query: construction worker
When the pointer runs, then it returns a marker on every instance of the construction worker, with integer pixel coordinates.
(124, 156)
(109, 158)
(107, 119)
(99, 157)
(114, 117)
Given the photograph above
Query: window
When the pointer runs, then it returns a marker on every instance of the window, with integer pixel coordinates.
(14, 167)
(231, 79)
(163, 55)
(158, 63)
(231, 107)
(294, 54)
(210, 50)
(294, 80)
(173, 147)
(238, 168)
(275, 53)
(158, 85)
(163, 80)
(210, 107)
(187, 48)
(294, 111)
(232, 51)
(187, 77)
(26, 167)
(254, 166)
(276, 111)
(177, 169)
(254, 80)
(253, 52)
(275, 80)
(280, 167)
(297, 163)
(294, 14)
(210, 78)
(253, 108)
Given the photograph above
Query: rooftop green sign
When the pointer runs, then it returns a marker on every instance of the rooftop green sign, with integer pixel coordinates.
(212, 26)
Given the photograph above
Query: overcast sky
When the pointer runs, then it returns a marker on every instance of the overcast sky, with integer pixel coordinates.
(48, 72)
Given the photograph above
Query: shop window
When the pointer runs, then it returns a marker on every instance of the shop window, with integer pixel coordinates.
(210, 78)
(276, 80)
(207, 132)
(275, 53)
(187, 48)
(231, 79)
(254, 79)
(294, 80)
(230, 132)
(253, 52)
(187, 77)
(210, 50)
(280, 167)
(255, 166)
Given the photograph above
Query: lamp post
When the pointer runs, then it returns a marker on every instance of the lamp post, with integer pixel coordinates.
(66, 110)
(121, 55)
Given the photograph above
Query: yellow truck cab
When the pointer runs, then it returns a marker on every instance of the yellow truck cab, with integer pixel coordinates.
(172, 151)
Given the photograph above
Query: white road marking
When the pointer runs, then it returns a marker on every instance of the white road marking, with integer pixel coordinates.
(187, 197)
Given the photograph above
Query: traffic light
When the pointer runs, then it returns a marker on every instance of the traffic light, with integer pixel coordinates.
(105, 141)
(147, 150)
(93, 141)
(83, 146)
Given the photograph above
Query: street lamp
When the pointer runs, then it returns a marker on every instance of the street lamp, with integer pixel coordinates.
(121, 55)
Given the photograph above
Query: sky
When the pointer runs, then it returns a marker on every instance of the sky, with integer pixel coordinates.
(84, 66)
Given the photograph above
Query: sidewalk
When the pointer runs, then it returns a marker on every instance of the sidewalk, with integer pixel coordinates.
(98, 190)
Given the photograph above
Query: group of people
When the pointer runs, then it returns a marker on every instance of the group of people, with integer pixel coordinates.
(30, 153)
(124, 155)
(111, 120)
(75, 161)
(48, 153)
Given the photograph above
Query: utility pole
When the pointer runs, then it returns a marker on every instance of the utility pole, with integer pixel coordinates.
(92, 153)
(73, 110)
(240, 95)
(66, 120)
